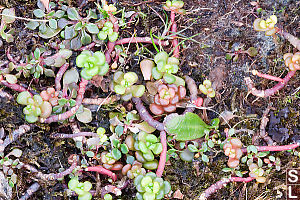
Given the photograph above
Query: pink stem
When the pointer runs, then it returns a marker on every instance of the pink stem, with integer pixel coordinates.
(271, 91)
(141, 40)
(87, 47)
(163, 154)
(111, 45)
(59, 75)
(110, 48)
(278, 148)
(174, 30)
(103, 171)
(222, 183)
(10, 58)
(240, 179)
(267, 76)
(275, 148)
(292, 39)
(66, 115)
(145, 115)
(12, 86)
(53, 176)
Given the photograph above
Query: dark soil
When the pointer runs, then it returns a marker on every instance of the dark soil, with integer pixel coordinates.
(220, 25)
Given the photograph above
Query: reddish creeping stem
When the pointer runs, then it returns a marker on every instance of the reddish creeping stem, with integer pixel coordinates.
(267, 76)
(174, 30)
(141, 40)
(59, 75)
(111, 45)
(275, 148)
(66, 115)
(163, 154)
(12, 86)
(271, 91)
(102, 170)
(145, 115)
(222, 183)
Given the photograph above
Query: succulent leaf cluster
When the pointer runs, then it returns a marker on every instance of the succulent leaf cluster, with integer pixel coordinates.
(150, 187)
(165, 67)
(35, 106)
(92, 63)
(123, 84)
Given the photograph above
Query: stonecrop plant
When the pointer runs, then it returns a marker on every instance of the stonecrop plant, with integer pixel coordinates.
(92, 63)
(267, 25)
(166, 98)
(81, 189)
(174, 5)
(206, 89)
(292, 61)
(35, 106)
(165, 67)
(148, 144)
(123, 84)
(150, 187)
(108, 32)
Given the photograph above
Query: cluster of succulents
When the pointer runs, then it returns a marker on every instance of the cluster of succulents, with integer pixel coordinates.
(148, 144)
(206, 89)
(232, 149)
(150, 187)
(108, 32)
(267, 25)
(166, 98)
(174, 5)
(123, 84)
(165, 67)
(81, 189)
(257, 173)
(92, 63)
(35, 106)
(108, 160)
(132, 171)
(50, 95)
(292, 61)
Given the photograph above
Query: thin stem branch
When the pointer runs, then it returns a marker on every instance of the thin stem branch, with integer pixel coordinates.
(267, 76)
(54, 176)
(14, 136)
(271, 91)
(102, 170)
(66, 115)
(59, 75)
(145, 115)
(163, 154)
(222, 183)
(30, 191)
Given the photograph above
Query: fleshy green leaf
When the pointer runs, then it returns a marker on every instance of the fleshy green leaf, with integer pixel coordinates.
(32, 25)
(92, 28)
(72, 14)
(38, 13)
